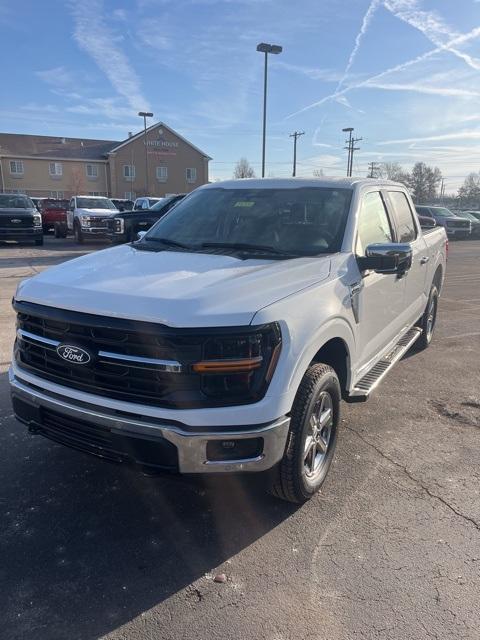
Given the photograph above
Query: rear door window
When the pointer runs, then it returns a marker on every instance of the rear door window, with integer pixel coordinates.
(407, 229)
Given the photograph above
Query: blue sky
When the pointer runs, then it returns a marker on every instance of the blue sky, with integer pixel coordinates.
(404, 73)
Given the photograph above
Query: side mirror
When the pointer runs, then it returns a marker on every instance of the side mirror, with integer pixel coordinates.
(386, 258)
(426, 222)
(140, 234)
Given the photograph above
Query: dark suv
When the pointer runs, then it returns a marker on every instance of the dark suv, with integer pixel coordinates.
(124, 226)
(454, 226)
(19, 219)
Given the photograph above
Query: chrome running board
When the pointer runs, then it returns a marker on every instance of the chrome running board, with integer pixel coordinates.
(364, 387)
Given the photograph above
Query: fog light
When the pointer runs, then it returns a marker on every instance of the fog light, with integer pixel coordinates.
(228, 450)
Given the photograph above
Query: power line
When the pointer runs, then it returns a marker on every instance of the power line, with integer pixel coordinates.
(373, 168)
(295, 135)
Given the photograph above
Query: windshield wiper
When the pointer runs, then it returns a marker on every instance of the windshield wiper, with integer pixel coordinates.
(170, 243)
(244, 246)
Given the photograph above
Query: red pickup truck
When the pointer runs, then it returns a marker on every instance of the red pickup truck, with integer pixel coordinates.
(52, 211)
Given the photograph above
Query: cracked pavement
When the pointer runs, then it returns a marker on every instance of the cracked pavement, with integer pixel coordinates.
(389, 550)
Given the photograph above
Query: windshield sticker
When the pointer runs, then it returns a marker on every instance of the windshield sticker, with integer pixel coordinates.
(244, 203)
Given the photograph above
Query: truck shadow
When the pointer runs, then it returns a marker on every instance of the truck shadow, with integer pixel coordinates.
(87, 546)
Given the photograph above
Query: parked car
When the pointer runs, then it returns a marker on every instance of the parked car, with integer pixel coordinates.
(53, 211)
(454, 226)
(475, 214)
(224, 339)
(124, 226)
(87, 216)
(144, 203)
(19, 219)
(123, 204)
(475, 223)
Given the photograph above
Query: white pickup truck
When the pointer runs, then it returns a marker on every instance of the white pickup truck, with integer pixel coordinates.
(225, 338)
(87, 216)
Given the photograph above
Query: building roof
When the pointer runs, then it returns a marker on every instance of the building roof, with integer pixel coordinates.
(17, 144)
(164, 126)
(23, 145)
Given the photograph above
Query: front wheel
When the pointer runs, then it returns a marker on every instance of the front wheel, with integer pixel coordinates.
(312, 436)
(78, 233)
(428, 320)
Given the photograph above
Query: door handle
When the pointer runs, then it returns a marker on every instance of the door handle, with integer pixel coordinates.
(424, 260)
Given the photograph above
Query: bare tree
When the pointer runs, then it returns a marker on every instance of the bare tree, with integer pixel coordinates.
(423, 182)
(243, 169)
(392, 171)
(469, 192)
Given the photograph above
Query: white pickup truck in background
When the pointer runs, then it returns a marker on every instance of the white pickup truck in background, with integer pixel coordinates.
(87, 216)
(225, 339)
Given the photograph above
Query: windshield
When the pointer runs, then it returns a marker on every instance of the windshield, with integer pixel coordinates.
(160, 204)
(15, 202)
(302, 221)
(95, 203)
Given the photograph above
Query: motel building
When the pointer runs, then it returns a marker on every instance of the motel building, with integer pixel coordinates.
(51, 167)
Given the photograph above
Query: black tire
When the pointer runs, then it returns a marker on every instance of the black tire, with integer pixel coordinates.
(78, 233)
(428, 320)
(39, 241)
(60, 230)
(305, 464)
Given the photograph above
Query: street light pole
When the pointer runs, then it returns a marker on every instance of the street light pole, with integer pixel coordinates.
(145, 115)
(265, 48)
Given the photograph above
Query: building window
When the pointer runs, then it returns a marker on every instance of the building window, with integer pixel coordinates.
(92, 171)
(58, 195)
(16, 167)
(130, 195)
(129, 171)
(55, 169)
(191, 175)
(162, 174)
(15, 191)
(96, 193)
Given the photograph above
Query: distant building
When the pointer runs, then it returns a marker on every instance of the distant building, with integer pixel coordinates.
(47, 166)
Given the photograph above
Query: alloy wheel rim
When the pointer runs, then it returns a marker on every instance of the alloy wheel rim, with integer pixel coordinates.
(319, 435)
(431, 313)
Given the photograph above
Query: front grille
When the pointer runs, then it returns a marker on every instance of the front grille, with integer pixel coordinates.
(133, 361)
(459, 224)
(18, 230)
(6, 222)
(99, 223)
(99, 441)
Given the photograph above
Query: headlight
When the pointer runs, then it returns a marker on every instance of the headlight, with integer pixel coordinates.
(85, 221)
(239, 367)
(37, 220)
(119, 225)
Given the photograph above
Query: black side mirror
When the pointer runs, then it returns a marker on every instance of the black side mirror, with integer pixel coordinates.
(426, 222)
(386, 258)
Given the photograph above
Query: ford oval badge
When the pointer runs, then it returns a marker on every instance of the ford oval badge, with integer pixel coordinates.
(74, 355)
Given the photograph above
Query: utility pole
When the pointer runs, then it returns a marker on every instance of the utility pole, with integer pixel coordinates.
(374, 167)
(295, 135)
(352, 149)
(349, 147)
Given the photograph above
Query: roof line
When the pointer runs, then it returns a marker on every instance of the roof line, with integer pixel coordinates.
(24, 156)
(157, 124)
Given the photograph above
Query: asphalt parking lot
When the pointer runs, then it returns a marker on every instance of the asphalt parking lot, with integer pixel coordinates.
(389, 550)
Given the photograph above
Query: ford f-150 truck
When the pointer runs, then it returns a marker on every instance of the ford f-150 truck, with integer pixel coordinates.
(225, 338)
(19, 219)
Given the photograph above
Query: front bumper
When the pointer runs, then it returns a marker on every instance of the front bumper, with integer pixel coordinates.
(31, 233)
(458, 233)
(98, 232)
(144, 441)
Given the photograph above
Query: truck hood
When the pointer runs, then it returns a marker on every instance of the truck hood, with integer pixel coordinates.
(173, 288)
(96, 212)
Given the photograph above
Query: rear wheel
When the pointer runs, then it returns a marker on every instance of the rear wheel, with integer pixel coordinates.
(312, 436)
(428, 320)
(78, 233)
